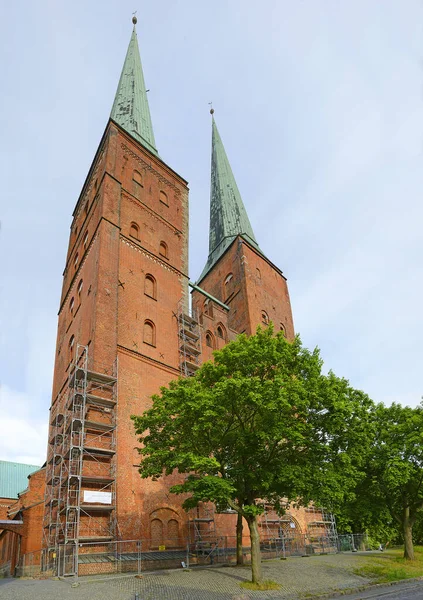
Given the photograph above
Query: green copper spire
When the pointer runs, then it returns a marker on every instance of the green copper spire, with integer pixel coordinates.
(130, 108)
(228, 217)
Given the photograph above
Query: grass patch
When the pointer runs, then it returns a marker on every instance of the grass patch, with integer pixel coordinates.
(263, 585)
(391, 566)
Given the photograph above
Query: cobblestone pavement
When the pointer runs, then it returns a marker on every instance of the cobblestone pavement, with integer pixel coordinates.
(298, 577)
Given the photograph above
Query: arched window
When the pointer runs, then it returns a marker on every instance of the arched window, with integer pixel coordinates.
(228, 278)
(282, 328)
(85, 239)
(71, 345)
(150, 287)
(86, 208)
(208, 307)
(134, 231)
(156, 532)
(209, 340)
(173, 532)
(163, 198)
(80, 286)
(75, 262)
(137, 178)
(149, 333)
(264, 317)
(163, 250)
(71, 305)
(221, 333)
(258, 273)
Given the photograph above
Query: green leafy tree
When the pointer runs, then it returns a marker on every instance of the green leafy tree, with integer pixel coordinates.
(258, 424)
(394, 469)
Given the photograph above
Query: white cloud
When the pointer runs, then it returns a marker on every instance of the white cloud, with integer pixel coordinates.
(23, 438)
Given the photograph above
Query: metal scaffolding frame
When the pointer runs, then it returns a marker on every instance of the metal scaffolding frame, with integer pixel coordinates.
(80, 497)
(275, 527)
(189, 332)
(203, 538)
(322, 523)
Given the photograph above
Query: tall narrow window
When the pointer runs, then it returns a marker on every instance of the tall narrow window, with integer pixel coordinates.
(163, 250)
(85, 239)
(163, 198)
(258, 273)
(71, 345)
(228, 286)
(149, 333)
(209, 340)
(150, 287)
(134, 231)
(75, 262)
(80, 286)
(208, 307)
(221, 332)
(71, 305)
(264, 317)
(282, 328)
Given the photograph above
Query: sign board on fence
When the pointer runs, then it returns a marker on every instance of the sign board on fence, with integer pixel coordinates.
(161, 548)
(292, 525)
(98, 497)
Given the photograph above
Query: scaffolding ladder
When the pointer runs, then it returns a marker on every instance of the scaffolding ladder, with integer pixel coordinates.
(202, 530)
(322, 524)
(189, 333)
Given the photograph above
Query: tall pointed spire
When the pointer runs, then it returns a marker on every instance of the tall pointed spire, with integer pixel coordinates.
(228, 217)
(130, 109)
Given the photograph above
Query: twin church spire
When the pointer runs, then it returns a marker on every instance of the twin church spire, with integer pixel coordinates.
(228, 217)
(130, 109)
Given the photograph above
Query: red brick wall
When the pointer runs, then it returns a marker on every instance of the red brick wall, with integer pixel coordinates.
(256, 285)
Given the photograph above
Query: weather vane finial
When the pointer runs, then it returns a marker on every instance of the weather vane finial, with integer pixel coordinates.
(211, 108)
(134, 18)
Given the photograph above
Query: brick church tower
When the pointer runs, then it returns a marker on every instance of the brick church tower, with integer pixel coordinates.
(125, 329)
(237, 273)
(126, 277)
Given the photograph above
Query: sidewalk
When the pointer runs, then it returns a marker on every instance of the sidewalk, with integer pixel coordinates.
(299, 578)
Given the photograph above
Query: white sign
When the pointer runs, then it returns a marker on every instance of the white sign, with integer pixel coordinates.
(98, 497)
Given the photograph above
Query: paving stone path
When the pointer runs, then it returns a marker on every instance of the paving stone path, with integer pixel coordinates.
(299, 578)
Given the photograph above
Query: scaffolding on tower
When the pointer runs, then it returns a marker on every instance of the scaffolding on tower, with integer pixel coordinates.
(189, 333)
(80, 497)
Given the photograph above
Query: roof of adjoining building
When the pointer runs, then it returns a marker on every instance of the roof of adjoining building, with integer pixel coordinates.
(14, 478)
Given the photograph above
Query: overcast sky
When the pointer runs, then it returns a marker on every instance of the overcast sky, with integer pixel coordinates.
(319, 105)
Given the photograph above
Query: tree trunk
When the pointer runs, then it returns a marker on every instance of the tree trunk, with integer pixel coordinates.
(239, 554)
(256, 570)
(407, 531)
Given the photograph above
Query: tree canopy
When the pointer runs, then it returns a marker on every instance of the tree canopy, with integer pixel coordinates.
(393, 479)
(258, 424)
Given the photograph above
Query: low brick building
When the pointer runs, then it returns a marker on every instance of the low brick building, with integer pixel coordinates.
(17, 536)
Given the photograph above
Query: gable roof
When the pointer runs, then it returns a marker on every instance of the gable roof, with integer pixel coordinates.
(14, 478)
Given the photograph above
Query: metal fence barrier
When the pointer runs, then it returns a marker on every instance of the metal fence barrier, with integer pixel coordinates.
(135, 556)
